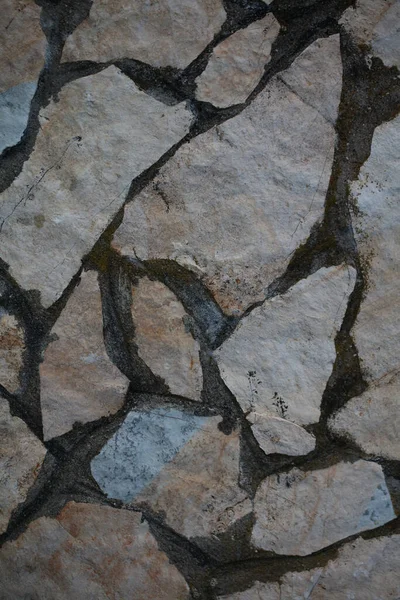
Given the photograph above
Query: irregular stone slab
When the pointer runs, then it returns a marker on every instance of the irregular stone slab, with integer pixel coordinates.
(376, 221)
(280, 356)
(89, 553)
(316, 84)
(178, 464)
(279, 435)
(78, 381)
(239, 199)
(372, 420)
(21, 456)
(12, 346)
(160, 33)
(300, 513)
(386, 39)
(237, 64)
(163, 341)
(100, 134)
(259, 591)
(14, 112)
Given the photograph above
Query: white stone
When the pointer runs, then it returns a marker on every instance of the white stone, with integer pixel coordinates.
(302, 512)
(79, 383)
(21, 456)
(163, 341)
(239, 199)
(101, 133)
(372, 420)
(280, 356)
(12, 347)
(279, 435)
(89, 552)
(161, 33)
(376, 222)
(386, 38)
(237, 64)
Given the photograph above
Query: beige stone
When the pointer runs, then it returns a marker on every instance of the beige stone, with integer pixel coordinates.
(160, 33)
(280, 357)
(275, 434)
(237, 64)
(78, 381)
(12, 346)
(89, 552)
(101, 133)
(21, 456)
(302, 512)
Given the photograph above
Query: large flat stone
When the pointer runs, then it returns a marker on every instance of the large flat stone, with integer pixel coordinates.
(101, 133)
(89, 552)
(163, 341)
(21, 456)
(160, 33)
(376, 220)
(178, 464)
(302, 512)
(237, 64)
(279, 358)
(79, 383)
(239, 199)
(12, 347)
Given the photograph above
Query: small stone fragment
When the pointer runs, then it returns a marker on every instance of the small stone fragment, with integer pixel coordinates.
(238, 200)
(12, 346)
(21, 456)
(78, 381)
(101, 133)
(237, 64)
(162, 339)
(161, 33)
(376, 223)
(302, 512)
(259, 591)
(281, 355)
(372, 420)
(89, 552)
(178, 464)
(279, 435)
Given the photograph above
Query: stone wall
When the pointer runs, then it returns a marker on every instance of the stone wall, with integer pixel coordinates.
(199, 300)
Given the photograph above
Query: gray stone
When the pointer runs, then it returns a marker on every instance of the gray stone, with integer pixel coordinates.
(280, 357)
(12, 347)
(386, 39)
(78, 381)
(101, 133)
(160, 33)
(237, 64)
(89, 552)
(14, 111)
(275, 434)
(302, 512)
(259, 591)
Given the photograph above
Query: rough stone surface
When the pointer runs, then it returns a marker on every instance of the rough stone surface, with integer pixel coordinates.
(14, 111)
(239, 199)
(175, 463)
(277, 435)
(110, 553)
(101, 133)
(300, 513)
(78, 381)
(280, 357)
(163, 341)
(162, 34)
(12, 346)
(386, 39)
(237, 64)
(21, 456)
(377, 229)
(259, 591)
(372, 420)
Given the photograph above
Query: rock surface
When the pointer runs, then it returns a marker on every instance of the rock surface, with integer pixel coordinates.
(21, 456)
(12, 346)
(237, 64)
(111, 554)
(162, 34)
(277, 435)
(239, 199)
(372, 420)
(163, 341)
(259, 591)
(280, 357)
(101, 133)
(376, 222)
(178, 464)
(300, 513)
(14, 112)
(78, 381)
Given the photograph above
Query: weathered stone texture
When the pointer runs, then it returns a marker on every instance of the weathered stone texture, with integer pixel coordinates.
(277, 435)
(12, 347)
